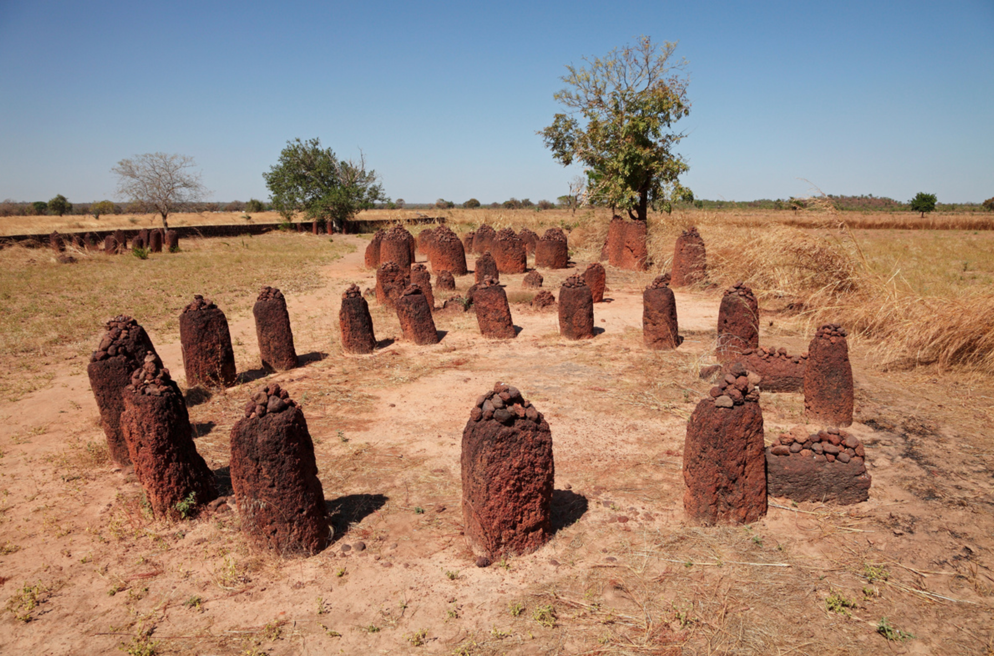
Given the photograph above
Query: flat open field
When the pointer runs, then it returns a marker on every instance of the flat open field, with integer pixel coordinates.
(84, 569)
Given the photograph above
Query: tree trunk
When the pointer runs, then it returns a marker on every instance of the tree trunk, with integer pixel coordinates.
(165, 226)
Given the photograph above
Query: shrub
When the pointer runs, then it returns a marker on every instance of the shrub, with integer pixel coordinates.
(546, 205)
(989, 204)
(59, 205)
(923, 203)
(399, 203)
(512, 204)
(255, 206)
(527, 203)
(235, 206)
(443, 204)
(102, 207)
(471, 204)
(39, 207)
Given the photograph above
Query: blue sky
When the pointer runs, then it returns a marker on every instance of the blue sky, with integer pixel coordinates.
(445, 98)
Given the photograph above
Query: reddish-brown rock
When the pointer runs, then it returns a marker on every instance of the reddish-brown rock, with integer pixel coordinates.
(529, 239)
(122, 350)
(56, 242)
(415, 317)
(483, 240)
(659, 324)
(596, 279)
(544, 300)
(272, 328)
(690, 262)
(110, 245)
(206, 344)
(275, 476)
(426, 240)
(611, 250)
(576, 309)
(122, 241)
(391, 280)
(724, 466)
(533, 279)
(485, 267)
(828, 383)
(780, 371)
(509, 252)
(355, 323)
(157, 429)
(625, 246)
(315, 228)
(552, 251)
(492, 310)
(738, 322)
(90, 241)
(456, 305)
(172, 241)
(421, 278)
(507, 475)
(467, 241)
(825, 467)
(155, 241)
(448, 253)
(396, 248)
(142, 240)
(445, 281)
(372, 254)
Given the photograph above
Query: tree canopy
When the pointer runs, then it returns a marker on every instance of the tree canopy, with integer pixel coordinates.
(101, 207)
(923, 203)
(313, 180)
(617, 124)
(159, 183)
(59, 205)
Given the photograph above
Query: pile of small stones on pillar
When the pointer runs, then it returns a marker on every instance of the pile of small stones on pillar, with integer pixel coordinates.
(828, 382)
(122, 350)
(492, 310)
(507, 476)
(533, 279)
(576, 309)
(391, 281)
(596, 279)
(724, 466)
(272, 328)
(445, 281)
(659, 322)
(485, 267)
(421, 278)
(544, 300)
(781, 371)
(827, 466)
(208, 358)
(530, 239)
(552, 251)
(483, 239)
(690, 262)
(355, 323)
(157, 429)
(372, 254)
(447, 253)
(738, 322)
(415, 317)
(274, 476)
(509, 252)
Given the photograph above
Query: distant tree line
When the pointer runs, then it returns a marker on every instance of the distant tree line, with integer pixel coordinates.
(60, 206)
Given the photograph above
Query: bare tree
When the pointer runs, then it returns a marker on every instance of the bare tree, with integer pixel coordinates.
(159, 183)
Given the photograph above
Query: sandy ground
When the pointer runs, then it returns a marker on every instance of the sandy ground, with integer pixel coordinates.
(625, 572)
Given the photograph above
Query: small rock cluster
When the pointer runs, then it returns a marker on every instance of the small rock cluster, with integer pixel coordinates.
(827, 466)
(781, 371)
(544, 300)
(736, 387)
(269, 400)
(533, 279)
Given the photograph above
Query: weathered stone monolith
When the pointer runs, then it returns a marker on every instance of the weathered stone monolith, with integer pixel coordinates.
(56, 242)
(275, 476)
(121, 351)
(483, 240)
(421, 278)
(445, 281)
(576, 309)
(529, 239)
(492, 310)
(634, 254)
(724, 466)
(781, 372)
(391, 281)
(738, 322)
(467, 241)
(142, 240)
(448, 253)
(659, 324)
(415, 317)
(155, 241)
(509, 252)
(544, 300)
(426, 240)
(552, 251)
(485, 267)
(172, 241)
(396, 248)
(596, 279)
(110, 245)
(315, 227)
(355, 323)
(122, 240)
(157, 429)
(690, 261)
(272, 328)
(533, 280)
(372, 254)
(615, 240)
(507, 475)
(828, 383)
(208, 358)
(826, 467)
(90, 241)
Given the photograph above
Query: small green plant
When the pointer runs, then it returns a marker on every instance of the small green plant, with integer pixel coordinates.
(515, 608)
(194, 602)
(895, 635)
(372, 628)
(875, 573)
(141, 644)
(141, 253)
(174, 249)
(452, 613)
(418, 638)
(452, 576)
(321, 609)
(498, 634)
(341, 437)
(839, 603)
(757, 540)
(418, 510)
(25, 600)
(545, 615)
(869, 592)
(114, 589)
(186, 506)
(8, 548)
(504, 563)
(340, 573)
(273, 631)
(329, 632)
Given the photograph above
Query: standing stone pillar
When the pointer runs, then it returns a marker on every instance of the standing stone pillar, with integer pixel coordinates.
(828, 383)
(596, 279)
(507, 475)
(355, 323)
(396, 248)
(56, 242)
(275, 476)
(415, 317)
(483, 240)
(485, 267)
(391, 281)
(272, 329)
(659, 324)
(110, 245)
(509, 252)
(172, 241)
(208, 358)
(445, 281)
(738, 322)
(122, 240)
(421, 278)
(121, 351)
(426, 239)
(448, 253)
(492, 310)
(155, 241)
(724, 464)
(372, 254)
(552, 251)
(576, 309)
(532, 280)
(467, 241)
(157, 428)
(529, 239)
(689, 259)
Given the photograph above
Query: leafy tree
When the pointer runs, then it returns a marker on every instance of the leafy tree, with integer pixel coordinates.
(546, 205)
(989, 204)
(399, 203)
(619, 112)
(471, 204)
(101, 207)
(255, 206)
(159, 183)
(443, 204)
(59, 205)
(923, 203)
(525, 202)
(312, 180)
(39, 207)
(512, 204)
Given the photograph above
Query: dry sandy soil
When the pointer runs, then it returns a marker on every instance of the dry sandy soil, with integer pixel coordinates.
(85, 570)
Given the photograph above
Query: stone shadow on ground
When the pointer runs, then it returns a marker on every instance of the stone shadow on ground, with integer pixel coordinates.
(441, 334)
(197, 395)
(567, 509)
(252, 375)
(202, 429)
(383, 343)
(598, 331)
(351, 509)
(222, 478)
(307, 358)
